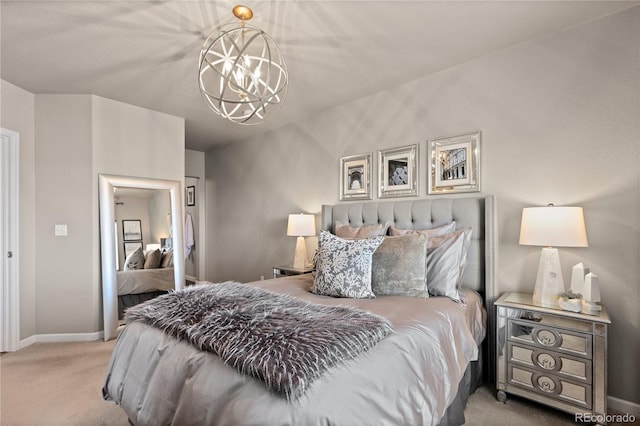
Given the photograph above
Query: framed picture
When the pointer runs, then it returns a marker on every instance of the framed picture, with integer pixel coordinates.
(191, 196)
(354, 177)
(398, 169)
(454, 164)
(132, 230)
(131, 247)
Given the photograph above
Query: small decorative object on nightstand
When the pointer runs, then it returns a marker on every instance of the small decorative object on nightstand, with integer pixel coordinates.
(577, 278)
(287, 271)
(591, 295)
(570, 301)
(554, 357)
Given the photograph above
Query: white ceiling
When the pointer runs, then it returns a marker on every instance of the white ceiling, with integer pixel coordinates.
(145, 53)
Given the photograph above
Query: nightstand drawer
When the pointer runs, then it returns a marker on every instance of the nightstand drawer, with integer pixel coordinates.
(543, 336)
(550, 385)
(551, 362)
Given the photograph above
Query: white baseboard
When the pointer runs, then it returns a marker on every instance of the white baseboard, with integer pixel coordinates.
(57, 338)
(622, 406)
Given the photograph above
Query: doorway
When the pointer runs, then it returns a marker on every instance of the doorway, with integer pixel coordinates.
(9, 226)
(192, 228)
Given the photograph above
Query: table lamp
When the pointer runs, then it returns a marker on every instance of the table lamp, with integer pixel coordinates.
(551, 227)
(301, 225)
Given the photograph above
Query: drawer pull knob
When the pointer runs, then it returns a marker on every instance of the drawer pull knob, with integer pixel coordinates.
(546, 361)
(546, 384)
(546, 337)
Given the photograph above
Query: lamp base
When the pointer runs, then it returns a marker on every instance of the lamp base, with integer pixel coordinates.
(300, 257)
(549, 283)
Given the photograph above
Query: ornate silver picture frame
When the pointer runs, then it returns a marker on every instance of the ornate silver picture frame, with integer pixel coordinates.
(355, 180)
(398, 171)
(454, 164)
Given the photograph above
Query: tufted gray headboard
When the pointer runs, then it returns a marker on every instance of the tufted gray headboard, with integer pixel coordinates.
(478, 213)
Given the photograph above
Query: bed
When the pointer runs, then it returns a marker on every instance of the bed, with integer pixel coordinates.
(421, 372)
(138, 285)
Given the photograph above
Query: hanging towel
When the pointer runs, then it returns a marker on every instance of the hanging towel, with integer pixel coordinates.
(188, 236)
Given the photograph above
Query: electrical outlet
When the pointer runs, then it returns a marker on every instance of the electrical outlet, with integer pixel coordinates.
(60, 230)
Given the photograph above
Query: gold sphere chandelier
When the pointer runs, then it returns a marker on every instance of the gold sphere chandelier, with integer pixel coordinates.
(242, 75)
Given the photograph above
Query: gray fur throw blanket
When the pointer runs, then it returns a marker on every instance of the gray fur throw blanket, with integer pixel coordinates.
(283, 341)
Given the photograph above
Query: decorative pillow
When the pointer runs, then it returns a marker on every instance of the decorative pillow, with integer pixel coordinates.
(370, 231)
(167, 258)
(446, 260)
(400, 266)
(432, 232)
(153, 259)
(135, 260)
(344, 266)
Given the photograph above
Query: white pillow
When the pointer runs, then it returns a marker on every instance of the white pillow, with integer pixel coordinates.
(446, 260)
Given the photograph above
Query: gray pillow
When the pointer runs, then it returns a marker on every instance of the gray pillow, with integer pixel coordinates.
(400, 266)
(344, 266)
(446, 260)
(167, 258)
(431, 232)
(135, 260)
(153, 260)
(369, 231)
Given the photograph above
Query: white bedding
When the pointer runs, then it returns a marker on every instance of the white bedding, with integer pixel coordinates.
(410, 377)
(145, 280)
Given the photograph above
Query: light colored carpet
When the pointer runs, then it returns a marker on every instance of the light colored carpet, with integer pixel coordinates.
(58, 384)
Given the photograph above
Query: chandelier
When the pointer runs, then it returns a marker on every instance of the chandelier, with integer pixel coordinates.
(242, 75)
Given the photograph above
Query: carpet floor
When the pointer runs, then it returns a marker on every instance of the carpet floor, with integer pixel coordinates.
(58, 384)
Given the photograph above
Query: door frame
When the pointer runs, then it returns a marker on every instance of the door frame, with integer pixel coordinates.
(9, 293)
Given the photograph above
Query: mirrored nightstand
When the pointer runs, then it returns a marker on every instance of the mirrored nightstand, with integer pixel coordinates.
(287, 271)
(555, 357)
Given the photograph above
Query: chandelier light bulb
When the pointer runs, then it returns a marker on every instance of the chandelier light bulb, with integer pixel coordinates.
(242, 74)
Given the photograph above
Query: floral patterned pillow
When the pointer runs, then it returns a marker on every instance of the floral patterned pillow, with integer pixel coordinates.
(344, 266)
(135, 260)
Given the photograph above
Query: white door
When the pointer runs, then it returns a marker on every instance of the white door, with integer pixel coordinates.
(9, 301)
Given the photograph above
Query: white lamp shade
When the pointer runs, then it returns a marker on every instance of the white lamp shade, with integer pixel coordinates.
(553, 227)
(301, 225)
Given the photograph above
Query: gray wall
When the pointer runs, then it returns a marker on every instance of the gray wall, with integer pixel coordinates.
(17, 113)
(65, 291)
(159, 216)
(65, 142)
(559, 121)
(152, 208)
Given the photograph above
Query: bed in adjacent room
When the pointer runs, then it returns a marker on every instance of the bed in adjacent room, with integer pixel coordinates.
(145, 275)
(389, 354)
